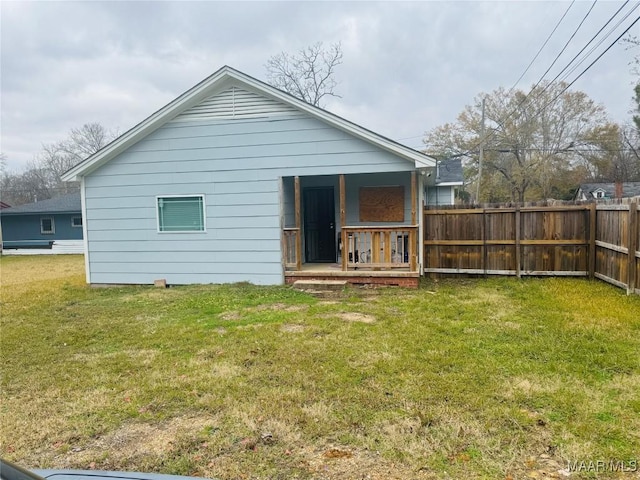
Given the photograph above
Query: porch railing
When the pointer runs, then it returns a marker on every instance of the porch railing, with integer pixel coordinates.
(363, 248)
(292, 257)
(379, 248)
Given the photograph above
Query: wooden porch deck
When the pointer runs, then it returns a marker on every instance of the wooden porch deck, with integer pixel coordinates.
(333, 271)
(385, 254)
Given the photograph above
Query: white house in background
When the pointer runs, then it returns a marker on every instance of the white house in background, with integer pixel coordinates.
(604, 191)
(440, 189)
(235, 180)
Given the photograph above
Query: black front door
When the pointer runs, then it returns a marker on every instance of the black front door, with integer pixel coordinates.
(319, 225)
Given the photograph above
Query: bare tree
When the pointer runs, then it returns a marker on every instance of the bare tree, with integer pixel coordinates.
(307, 75)
(56, 158)
(41, 179)
(534, 141)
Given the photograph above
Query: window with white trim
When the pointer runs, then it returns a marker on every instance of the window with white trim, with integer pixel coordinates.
(181, 213)
(47, 226)
(76, 221)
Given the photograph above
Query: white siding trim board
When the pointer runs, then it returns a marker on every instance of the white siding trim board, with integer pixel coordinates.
(85, 229)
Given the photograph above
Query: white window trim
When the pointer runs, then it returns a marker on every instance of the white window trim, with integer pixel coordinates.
(53, 226)
(204, 213)
(73, 225)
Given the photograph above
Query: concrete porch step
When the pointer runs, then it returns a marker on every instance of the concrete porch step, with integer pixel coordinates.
(320, 285)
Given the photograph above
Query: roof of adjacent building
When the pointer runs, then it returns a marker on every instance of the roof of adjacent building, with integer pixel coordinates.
(212, 85)
(70, 203)
(450, 172)
(629, 189)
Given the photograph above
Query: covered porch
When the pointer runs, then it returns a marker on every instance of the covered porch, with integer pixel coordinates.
(361, 228)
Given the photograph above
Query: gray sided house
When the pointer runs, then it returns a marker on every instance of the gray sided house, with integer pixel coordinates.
(47, 226)
(440, 188)
(607, 191)
(235, 180)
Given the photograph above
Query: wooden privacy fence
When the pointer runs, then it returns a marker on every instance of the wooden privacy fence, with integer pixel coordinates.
(570, 240)
(617, 245)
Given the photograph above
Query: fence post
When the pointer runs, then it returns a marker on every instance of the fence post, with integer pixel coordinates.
(593, 212)
(633, 246)
(517, 239)
(484, 241)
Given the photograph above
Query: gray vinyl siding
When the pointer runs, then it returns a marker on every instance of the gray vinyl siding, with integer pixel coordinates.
(237, 164)
(439, 195)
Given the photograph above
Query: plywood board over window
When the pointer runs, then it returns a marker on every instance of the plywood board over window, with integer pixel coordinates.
(382, 204)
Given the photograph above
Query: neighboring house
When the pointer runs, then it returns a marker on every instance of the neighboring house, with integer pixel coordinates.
(441, 188)
(4, 205)
(604, 191)
(235, 180)
(48, 226)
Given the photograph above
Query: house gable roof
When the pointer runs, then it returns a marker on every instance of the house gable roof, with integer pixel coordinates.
(629, 189)
(219, 82)
(64, 204)
(449, 172)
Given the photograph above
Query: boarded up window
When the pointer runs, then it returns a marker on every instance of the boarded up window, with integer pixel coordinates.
(382, 204)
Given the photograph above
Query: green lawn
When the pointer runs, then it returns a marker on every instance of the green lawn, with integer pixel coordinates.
(464, 379)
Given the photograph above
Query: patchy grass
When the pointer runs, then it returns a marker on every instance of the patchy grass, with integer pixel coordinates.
(461, 379)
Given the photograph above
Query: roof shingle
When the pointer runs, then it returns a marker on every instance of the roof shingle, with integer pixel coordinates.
(70, 203)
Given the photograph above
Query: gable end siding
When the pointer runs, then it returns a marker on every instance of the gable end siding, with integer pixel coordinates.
(235, 103)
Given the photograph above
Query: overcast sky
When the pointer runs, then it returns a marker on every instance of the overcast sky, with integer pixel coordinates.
(408, 67)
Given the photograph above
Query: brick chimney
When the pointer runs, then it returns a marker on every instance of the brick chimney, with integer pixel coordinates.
(618, 189)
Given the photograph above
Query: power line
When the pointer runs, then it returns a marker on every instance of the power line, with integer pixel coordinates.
(539, 94)
(592, 63)
(532, 61)
(565, 45)
(543, 45)
(528, 96)
(536, 55)
(600, 42)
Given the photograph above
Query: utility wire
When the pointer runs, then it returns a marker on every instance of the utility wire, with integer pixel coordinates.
(492, 131)
(572, 69)
(536, 55)
(565, 45)
(591, 64)
(544, 45)
(600, 42)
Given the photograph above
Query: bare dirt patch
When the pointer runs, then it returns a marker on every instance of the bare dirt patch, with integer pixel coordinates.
(281, 307)
(231, 316)
(133, 440)
(292, 328)
(355, 317)
(341, 463)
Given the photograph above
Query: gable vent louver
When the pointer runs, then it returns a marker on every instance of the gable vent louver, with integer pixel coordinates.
(235, 103)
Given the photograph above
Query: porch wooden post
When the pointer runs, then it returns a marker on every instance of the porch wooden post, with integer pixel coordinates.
(414, 221)
(343, 222)
(298, 224)
(414, 199)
